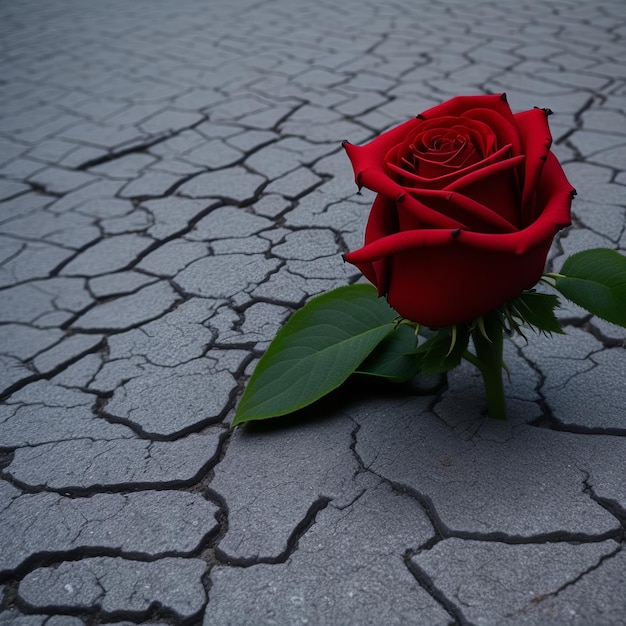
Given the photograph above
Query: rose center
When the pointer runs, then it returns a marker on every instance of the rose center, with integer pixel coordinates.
(445, 144)
(439, 151)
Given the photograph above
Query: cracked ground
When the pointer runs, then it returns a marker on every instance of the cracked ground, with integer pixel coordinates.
(172, 187)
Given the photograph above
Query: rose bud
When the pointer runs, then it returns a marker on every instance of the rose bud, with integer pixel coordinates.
(469, 200)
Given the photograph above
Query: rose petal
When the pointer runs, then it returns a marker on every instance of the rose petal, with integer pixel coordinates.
(466, 210)
(443, 277)
(537, 235)
(429, 169)
(459, 105)
(445, 181)
(502, 126)
(445, 129)
(536, 141)
(495, 186)
(379, 181)
(372, 154)
(484, 170)
(382, 222)
(430, 164)
(468, 282)
(436, 280)
(399, 242)
(554, 194)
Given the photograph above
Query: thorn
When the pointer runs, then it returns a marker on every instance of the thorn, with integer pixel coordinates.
(573, 193)
(503, 97)
(506, 368)
(481, 327)
(419, 116)
(452, 340)
(343, 258)
(545, 110)
(357, 180)
(344, 142)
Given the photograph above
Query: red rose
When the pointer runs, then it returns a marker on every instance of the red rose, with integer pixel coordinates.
(469, 200)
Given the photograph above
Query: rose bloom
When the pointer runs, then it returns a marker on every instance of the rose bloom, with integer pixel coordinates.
(469, 200)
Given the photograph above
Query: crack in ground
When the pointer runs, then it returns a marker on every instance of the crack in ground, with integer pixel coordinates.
(94, 613)
(126, 487)
(107, 330)
(426, 583)
(142, 433)
(440, 533)
(42, 558)
(138, 148)
(611, 506)
(292, 542)
(608, 342)
(6, 393)
(547, 419)
(157, 243)
(443, 532)
(553, 594)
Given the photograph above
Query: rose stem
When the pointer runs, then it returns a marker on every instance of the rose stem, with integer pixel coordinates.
(489, 361)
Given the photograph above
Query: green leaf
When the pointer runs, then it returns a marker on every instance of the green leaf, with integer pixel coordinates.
(596, 281)
(315, 351)
(443, 351)
(535, 310)
(391, 358)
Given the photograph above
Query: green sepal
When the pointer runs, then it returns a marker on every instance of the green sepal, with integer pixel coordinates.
(534, 310)
(443, 351)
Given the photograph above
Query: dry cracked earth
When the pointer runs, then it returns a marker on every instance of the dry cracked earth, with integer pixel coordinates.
(172, 187)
